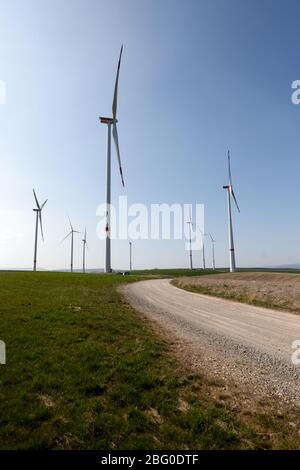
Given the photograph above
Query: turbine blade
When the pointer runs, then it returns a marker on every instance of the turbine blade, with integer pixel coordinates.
(36, 199)
(230, 183)
(116, 141)
(115, 99)
(41, 225)
(234, 198)
(84, 240)
(229, 170)
(70, 223)
(43, 204)
(66, 236)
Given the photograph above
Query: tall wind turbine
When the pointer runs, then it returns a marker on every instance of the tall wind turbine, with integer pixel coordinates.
(190, 223)
(203, 247)
(38, 222)
(84, 246)
(72, 242)
(203, 252)
(213, 250)
(111, 122)
(230, 194)
(130, 256)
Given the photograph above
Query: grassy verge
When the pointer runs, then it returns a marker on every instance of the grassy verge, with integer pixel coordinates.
(85, 372)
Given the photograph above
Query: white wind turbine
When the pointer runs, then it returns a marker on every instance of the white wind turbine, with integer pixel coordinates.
(84, 246)
(213, 250)
(203, 235)
(230, 193)
(190, 223)
(72, 242)
(38, 222)
(111, 122)
(130, 255)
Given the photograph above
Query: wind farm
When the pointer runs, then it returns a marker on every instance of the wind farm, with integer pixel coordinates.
(147, 316)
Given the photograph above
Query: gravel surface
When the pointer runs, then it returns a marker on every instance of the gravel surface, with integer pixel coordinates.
(231, 340)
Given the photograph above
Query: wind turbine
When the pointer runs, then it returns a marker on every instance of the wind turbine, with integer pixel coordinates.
(213, 250)
(203, 250)
(230, 193)
(111, 122)
(130, 256)
(38, 222)
(83, 251)
(203, 247)
(72, 242)
(190, 223)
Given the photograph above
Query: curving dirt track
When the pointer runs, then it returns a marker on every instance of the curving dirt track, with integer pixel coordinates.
(249, 344)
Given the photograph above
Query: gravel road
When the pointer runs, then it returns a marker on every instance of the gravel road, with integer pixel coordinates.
(248, 344)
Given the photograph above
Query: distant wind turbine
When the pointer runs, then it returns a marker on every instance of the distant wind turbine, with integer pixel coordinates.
(213, 250)
(130, 255)
(203, 247)
(72, 242)
(203, 250)
(190, 223)
(38, 223)
(84, 246)
(111, 122)
(230, 193)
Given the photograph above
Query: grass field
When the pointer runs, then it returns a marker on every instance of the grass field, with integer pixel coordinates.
(84, 371)
(173, 273)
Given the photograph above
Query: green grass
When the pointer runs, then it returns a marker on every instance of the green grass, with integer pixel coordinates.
(85, 372)
(181, 272)
(172, 273)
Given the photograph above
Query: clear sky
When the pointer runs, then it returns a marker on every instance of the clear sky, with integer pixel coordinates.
(198, 77)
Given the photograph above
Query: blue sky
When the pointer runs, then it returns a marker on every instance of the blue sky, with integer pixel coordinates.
(197, 78)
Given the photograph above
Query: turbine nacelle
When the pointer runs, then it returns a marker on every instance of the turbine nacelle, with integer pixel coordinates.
(106, 120)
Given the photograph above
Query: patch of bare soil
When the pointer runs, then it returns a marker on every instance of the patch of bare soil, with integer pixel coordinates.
(274, 290)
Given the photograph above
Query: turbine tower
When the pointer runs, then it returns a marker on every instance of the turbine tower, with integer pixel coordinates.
(190, 223)
(38, 222)
(111, 122)
(203, 248)
(203, 252)
(130, 256)
(213, 250)
(72, 242)
(230, 194)
(84, 246)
